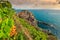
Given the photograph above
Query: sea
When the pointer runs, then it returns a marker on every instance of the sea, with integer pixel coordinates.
(48, 16)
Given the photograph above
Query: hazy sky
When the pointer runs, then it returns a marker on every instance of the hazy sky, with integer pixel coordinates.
(30, 1)
(35, 4)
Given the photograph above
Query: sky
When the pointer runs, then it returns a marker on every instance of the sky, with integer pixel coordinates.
(35, 4)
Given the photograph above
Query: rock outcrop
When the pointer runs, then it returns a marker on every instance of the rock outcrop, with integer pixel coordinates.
(28, 16)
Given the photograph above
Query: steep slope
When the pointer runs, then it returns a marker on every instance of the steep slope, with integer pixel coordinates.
(28, 16)
(14, 28)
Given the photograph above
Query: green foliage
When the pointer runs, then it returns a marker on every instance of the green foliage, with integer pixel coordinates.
(6, 12)
(36, 35)
(21, 36)
(5, 27)
(4, 4)
(6, 21)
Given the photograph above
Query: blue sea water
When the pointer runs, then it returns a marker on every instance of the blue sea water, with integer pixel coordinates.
(49, 16)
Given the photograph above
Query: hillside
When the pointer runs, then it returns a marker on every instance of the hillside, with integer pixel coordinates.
(13, 27)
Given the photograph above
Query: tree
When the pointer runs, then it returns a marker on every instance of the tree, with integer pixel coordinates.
(5, 3)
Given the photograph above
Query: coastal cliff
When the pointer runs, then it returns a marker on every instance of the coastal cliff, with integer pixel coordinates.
(27, 15)
(21, 26)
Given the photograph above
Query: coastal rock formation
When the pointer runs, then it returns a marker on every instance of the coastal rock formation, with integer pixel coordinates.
(19, 26)
(51, 37)
(30, 18)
